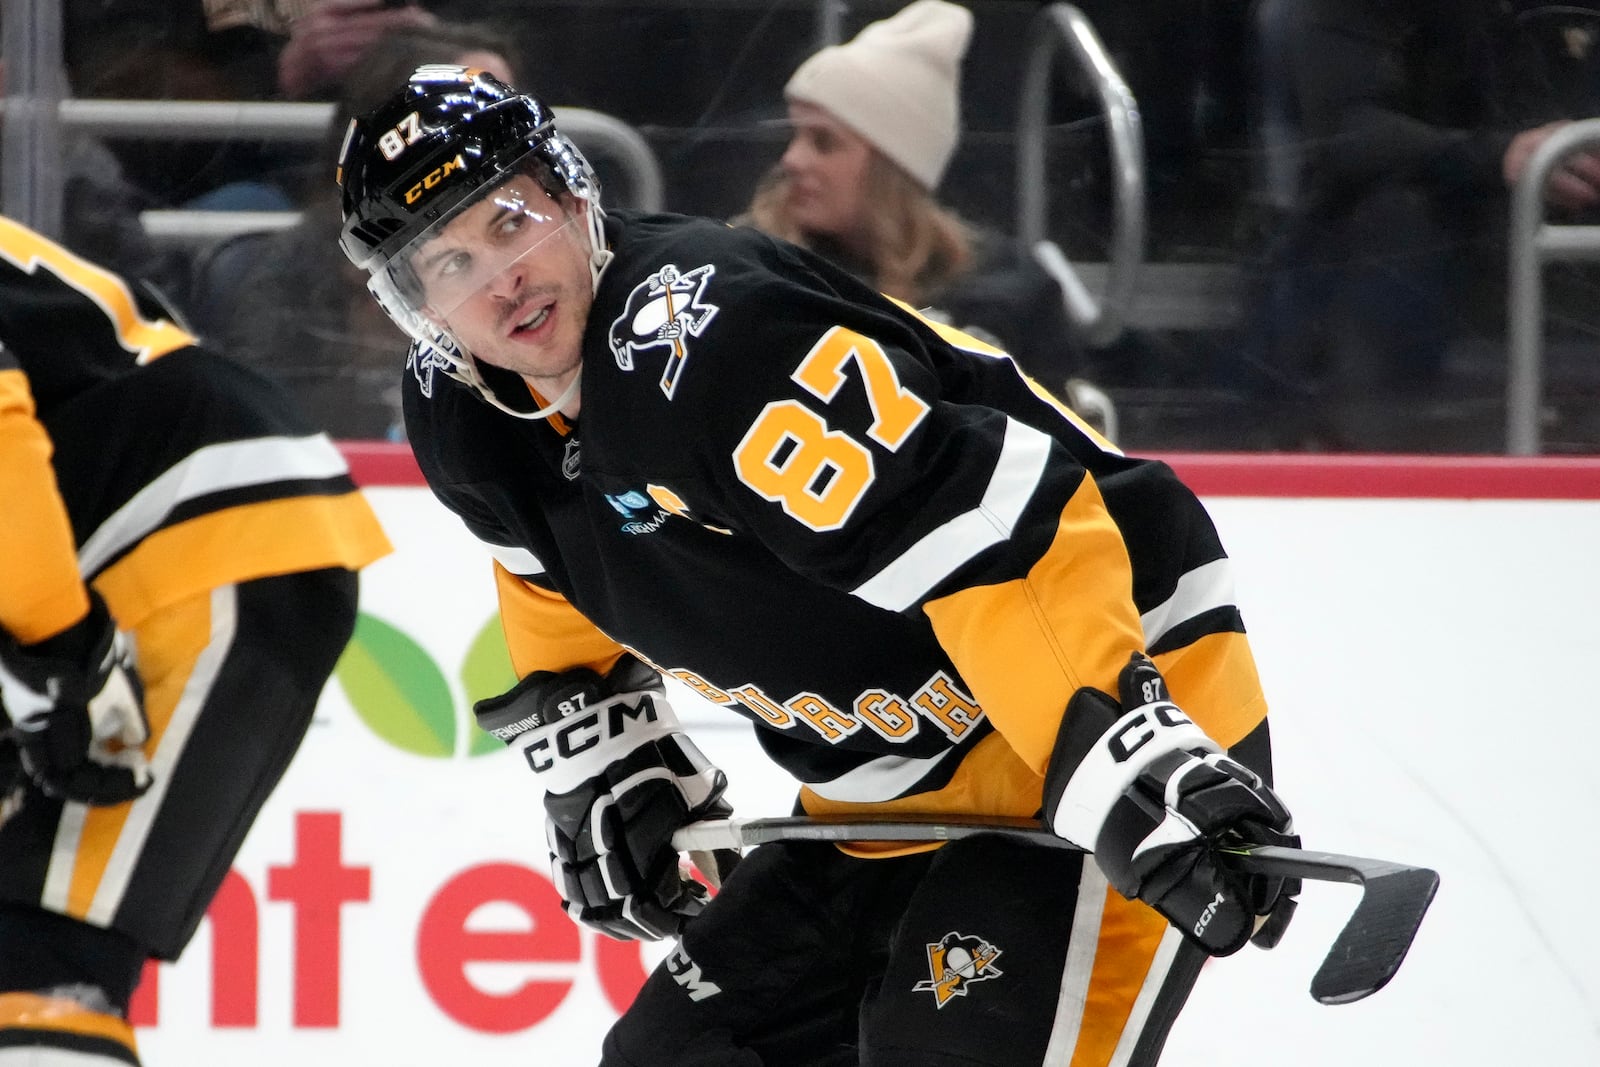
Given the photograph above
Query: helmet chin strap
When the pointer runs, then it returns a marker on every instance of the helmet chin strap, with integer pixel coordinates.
(599, 255)
(555, 406)
(471, 377)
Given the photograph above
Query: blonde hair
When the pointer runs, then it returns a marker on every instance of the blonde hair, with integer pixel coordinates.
(913, 246)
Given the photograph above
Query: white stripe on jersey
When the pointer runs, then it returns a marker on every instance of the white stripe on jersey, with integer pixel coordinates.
(1208, 586)
(212, 469)
(884, 778)
(925, 564)
(1145, 1002)
(1079, 966)
(518, 561)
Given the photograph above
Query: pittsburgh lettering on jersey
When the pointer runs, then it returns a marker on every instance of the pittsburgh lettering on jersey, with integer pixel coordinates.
(664, 310)
(939, 701)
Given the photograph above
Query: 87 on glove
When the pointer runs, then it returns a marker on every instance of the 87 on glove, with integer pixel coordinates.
(619, 778)
(1152, 796)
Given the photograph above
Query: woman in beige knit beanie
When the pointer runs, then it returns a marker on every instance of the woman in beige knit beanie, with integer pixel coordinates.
(875, 123)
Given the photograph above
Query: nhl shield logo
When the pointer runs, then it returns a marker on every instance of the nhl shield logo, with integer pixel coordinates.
(955, 962)
(664, 311)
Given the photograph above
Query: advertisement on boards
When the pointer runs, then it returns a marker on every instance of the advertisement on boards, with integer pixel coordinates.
(1428, 661)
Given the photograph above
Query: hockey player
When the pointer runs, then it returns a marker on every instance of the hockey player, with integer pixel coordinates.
(177, 579)
(697, 450)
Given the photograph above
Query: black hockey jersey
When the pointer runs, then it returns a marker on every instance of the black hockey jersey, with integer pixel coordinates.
(867, 533)
(132, 459)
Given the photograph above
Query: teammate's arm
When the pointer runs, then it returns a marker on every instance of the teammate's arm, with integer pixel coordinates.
(41, 593)
(69, 688)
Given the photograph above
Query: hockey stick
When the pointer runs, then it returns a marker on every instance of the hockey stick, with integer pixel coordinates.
(1365, 955)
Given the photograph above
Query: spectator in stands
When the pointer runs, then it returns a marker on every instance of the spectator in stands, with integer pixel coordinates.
(876, 121)
(221, 50)
(289, 304)
(1410, 123)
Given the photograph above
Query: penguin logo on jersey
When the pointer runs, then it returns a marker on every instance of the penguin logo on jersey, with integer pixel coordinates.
(422, 361)
(664, 310)
(955, 962)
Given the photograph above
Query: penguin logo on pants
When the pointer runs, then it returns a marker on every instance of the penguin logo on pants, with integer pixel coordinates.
(954, 963)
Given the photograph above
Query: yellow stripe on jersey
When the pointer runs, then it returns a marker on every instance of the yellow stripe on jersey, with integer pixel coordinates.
(546, 633)
(1025, 646)
(1130, 934)
(41, 592)
(950, 334)
(35, 1011)
(1101, 442)
(991, 780)
(1214, 680)
(170, 645)
(238, 544)
(146, 339)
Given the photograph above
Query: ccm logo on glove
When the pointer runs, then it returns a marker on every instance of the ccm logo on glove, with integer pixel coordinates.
(1140, 728)
(578, 735)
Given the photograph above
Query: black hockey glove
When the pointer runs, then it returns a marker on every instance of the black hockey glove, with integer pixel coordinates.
(77, 710)
(1151, 795)
(619, 778)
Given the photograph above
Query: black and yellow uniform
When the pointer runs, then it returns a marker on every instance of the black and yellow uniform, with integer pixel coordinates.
(876, 540)
(224, 534)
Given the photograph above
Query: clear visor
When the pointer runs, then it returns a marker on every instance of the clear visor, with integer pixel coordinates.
(472, 266)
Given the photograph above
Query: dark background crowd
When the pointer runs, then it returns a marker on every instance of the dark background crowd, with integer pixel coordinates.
(1327, 186)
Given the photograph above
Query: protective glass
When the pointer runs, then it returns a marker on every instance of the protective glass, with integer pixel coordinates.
(489, 241)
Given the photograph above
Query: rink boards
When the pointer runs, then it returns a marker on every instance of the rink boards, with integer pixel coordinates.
(1426, 631)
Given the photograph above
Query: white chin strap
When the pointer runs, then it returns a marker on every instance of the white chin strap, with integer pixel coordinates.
(552, 408)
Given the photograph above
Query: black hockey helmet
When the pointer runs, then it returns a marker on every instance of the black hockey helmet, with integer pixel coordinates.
(448, 139)
(447, 134)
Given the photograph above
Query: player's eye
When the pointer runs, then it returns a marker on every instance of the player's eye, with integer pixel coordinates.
(512, 224)
(450, 268)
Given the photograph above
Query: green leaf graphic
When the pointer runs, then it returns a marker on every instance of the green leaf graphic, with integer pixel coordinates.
(397, 689)
(486, 672)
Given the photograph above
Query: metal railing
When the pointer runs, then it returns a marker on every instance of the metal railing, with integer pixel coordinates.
(600, 135)
(1533, 242)
(1101, 317)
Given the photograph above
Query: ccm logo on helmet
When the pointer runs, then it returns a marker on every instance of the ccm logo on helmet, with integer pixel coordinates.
(1141, 727)
(586, 731)
(434, 177)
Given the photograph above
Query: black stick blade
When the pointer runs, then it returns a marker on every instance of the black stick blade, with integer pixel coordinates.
(1372, 945)
(1375, 939)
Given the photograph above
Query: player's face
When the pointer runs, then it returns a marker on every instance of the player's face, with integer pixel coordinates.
(826, 166)
(509, 278)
